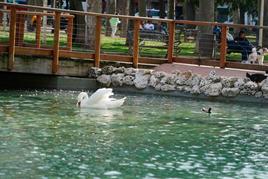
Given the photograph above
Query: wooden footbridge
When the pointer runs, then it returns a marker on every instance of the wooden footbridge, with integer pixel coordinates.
(14, 48)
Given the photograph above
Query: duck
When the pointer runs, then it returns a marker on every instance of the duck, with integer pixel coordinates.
(99, 100)
(256, 77)
(207, 110)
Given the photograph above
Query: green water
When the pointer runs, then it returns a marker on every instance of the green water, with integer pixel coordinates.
(44, 135)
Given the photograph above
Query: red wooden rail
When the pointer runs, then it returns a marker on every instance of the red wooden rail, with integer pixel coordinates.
(15, 47)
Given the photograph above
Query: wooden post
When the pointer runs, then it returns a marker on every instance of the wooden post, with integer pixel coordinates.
(223, 49)
(70, 33)
(136, 43)
(38, 31)
(171, 41)
(56, 46)
(12, 39)
(98, 42)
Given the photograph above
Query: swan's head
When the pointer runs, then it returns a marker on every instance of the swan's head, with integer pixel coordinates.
(81, 98)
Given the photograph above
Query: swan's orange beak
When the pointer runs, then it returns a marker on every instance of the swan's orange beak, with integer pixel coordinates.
(78, 104)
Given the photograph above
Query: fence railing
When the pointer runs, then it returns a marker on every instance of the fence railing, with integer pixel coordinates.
(175, 41)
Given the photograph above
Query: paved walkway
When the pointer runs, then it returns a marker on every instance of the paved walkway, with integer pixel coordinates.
(203, 70)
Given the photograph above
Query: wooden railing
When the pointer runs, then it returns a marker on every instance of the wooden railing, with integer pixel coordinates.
(13, 48)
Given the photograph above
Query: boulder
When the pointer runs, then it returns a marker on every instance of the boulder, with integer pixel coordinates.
(213, 89)
(153, 81)
(128, 80)
(107, 70)
(249, 88)
(105, 80)
(195, 90)
(130, 71)
(141, 80)
(264, 88)
(213, 77)
(94, 72)
(117, 79)
(230, 92)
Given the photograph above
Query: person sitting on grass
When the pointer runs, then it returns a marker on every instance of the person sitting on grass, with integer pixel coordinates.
(239, 44)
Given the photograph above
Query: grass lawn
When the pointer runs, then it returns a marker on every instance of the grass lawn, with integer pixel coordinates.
(118, 46)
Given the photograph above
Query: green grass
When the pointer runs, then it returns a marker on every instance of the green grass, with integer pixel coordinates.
(118, 46)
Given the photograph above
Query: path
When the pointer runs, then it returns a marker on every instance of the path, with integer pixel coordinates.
(203, 70)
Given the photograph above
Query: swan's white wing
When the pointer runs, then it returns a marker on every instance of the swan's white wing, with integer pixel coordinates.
(100, 95)
(115, 103)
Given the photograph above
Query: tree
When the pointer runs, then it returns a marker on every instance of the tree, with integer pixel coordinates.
(79, 22)
(189, 10)
(162, 8)
(142, 8)
(206, 8)
(123, 9)
(93, 6)
(265, 23)
(171, 7)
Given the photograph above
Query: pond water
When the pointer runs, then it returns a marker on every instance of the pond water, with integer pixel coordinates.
(44, 135)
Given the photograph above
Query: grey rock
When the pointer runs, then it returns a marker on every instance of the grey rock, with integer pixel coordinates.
(105, 80)
(128, 80)
(117, 79)
(141, 80)
(195, 90)
(94, 72)
(107, 70)
(153, 81)
(213, 89)
(230, 92)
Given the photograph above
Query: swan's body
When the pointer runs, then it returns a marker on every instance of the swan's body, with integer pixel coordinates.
(99, 100)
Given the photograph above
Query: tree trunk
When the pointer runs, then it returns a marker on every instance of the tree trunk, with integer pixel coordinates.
(132, 7)
(123, 9)
(162, 9)
(171, 7)
(94, 6)
(79, 22)
(111, 10)
(265, 23)
(189, 10)
(206, 8)
(142, 8)
(236, 20)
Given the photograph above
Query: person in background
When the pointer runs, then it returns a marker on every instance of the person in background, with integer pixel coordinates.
(148, 26)
(114, 21)
(240, 44)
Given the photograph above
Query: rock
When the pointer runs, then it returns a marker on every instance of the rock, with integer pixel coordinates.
(158, 87)
(195, 80)
(168, 87)
(117, 79)
(141, 80)
(228, 82)
(213, 89)
(258, 94)
(195, 90)
(130, 71)
(204, 82)
(249, 88)
(264, 88)
(212, 76)
(239, 83)
(230, 92)
(105, 80)
(153, 81)
(168, 79)
(159, 74)
(128, 80)
(94, 72)
(183, 78)
(107, 70)
(119, 70)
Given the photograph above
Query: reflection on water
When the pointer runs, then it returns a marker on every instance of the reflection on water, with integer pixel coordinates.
(44, 135)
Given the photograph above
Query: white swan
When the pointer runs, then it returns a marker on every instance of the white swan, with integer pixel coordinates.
(99, 100)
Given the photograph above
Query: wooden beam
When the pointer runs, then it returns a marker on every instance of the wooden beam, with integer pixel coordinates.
(111, 57)
(171, 29)
(56, 45)
(98, 41)
(70, 33)
(149, 60)
(33, 51)
(136, 43)
(196, 61)
(223, 48)
(38, 31)
(78, 55)
(12, 39)
(239, 65)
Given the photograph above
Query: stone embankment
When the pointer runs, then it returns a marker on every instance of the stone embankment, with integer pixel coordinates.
(211, 85)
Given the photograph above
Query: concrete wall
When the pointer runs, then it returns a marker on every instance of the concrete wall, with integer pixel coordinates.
(38, 65)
